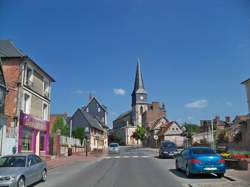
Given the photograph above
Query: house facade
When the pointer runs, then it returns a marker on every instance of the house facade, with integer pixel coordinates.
(93, 116)
(27, 103)
(98, 137)
(3, 117)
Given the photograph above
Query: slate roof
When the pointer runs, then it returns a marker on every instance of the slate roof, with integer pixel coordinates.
(102, 106)
(123, 115)
(9, 50)
(94, 123)
(139, 85)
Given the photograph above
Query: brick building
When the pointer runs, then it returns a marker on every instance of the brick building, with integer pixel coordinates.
(27, 103)
(3, 92)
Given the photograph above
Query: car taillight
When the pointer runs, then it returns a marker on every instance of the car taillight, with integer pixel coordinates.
(195, 161)
(222, 161)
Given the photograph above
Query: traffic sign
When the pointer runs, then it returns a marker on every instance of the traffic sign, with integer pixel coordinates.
(156, 137)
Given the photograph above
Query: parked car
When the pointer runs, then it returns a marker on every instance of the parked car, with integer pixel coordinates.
(167, 149)
(114, 148)
(22, 170)
(200, 160)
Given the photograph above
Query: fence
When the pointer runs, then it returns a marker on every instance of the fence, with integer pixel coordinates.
(70, 141)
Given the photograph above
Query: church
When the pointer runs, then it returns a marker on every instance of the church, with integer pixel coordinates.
(142, 113)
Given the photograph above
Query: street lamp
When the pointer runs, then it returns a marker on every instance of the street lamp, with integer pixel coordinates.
(87, 136)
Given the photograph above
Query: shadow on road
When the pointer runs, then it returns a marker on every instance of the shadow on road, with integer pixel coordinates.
(166, 158)
(181, 174)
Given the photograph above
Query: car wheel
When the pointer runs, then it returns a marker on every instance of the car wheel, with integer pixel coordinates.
(44, 175)
(21, 182)
(188, 174)
(220, 175)
(177, 166)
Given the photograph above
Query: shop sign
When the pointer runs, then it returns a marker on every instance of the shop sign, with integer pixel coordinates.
(34, 123)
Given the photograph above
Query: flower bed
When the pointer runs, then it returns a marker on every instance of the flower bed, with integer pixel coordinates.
(240, 154)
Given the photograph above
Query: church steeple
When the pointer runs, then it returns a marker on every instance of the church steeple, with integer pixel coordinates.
(139, 85)
(139, 94)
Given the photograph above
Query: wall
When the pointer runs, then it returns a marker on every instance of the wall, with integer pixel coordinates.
(11, 70)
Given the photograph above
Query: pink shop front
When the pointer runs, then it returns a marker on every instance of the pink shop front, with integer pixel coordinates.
(33, 135)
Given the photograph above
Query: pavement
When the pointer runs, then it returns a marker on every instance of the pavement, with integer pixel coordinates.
(133, 167)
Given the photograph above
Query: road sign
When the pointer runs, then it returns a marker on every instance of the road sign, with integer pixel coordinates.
(156, 137)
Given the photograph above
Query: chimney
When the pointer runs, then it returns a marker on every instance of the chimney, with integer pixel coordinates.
(228, 119)
(155, 105)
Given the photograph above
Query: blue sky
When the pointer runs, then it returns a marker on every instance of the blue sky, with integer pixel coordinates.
(194, 54)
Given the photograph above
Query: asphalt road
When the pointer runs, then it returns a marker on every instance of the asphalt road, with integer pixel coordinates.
(131, 168)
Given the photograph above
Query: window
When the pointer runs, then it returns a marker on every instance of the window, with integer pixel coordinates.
(87, 109)
(27, 103)
(38, 159)
(29, 74)
(31, 160)
(98, 109)
(45, 111)
(46, 88)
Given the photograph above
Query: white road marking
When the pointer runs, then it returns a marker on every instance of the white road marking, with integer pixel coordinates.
(117, 157)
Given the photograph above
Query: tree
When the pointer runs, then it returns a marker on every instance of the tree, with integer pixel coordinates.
(79, 133)
(59, 124)
(139, 134)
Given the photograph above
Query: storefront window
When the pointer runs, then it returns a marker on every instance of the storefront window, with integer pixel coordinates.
(27, 139)
(41, 141)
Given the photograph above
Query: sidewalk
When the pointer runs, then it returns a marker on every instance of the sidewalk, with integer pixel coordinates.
(79, 157)
(239, 174)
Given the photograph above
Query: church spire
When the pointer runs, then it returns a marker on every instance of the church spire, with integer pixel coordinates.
(139, 85)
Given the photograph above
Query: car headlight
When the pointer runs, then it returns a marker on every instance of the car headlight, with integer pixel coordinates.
(9, 178)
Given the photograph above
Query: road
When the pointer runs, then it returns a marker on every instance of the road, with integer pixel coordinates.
(131, 168)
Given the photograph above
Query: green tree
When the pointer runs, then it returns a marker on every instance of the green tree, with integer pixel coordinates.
(79, 133)
(139, 134)
(59, 124)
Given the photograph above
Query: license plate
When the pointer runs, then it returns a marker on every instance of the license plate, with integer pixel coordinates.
(210, 169)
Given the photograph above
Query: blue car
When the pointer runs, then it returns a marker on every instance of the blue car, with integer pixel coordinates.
(200, 160)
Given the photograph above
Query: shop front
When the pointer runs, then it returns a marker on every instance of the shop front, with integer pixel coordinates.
(33, 135)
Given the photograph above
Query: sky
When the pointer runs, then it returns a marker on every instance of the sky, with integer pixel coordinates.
(194, 54)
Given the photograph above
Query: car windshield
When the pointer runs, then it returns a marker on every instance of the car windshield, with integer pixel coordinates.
(168, 145)
(13, 161)
(113, 145)
(200, 151)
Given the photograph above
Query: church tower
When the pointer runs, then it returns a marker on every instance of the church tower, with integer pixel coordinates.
(139, 98)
